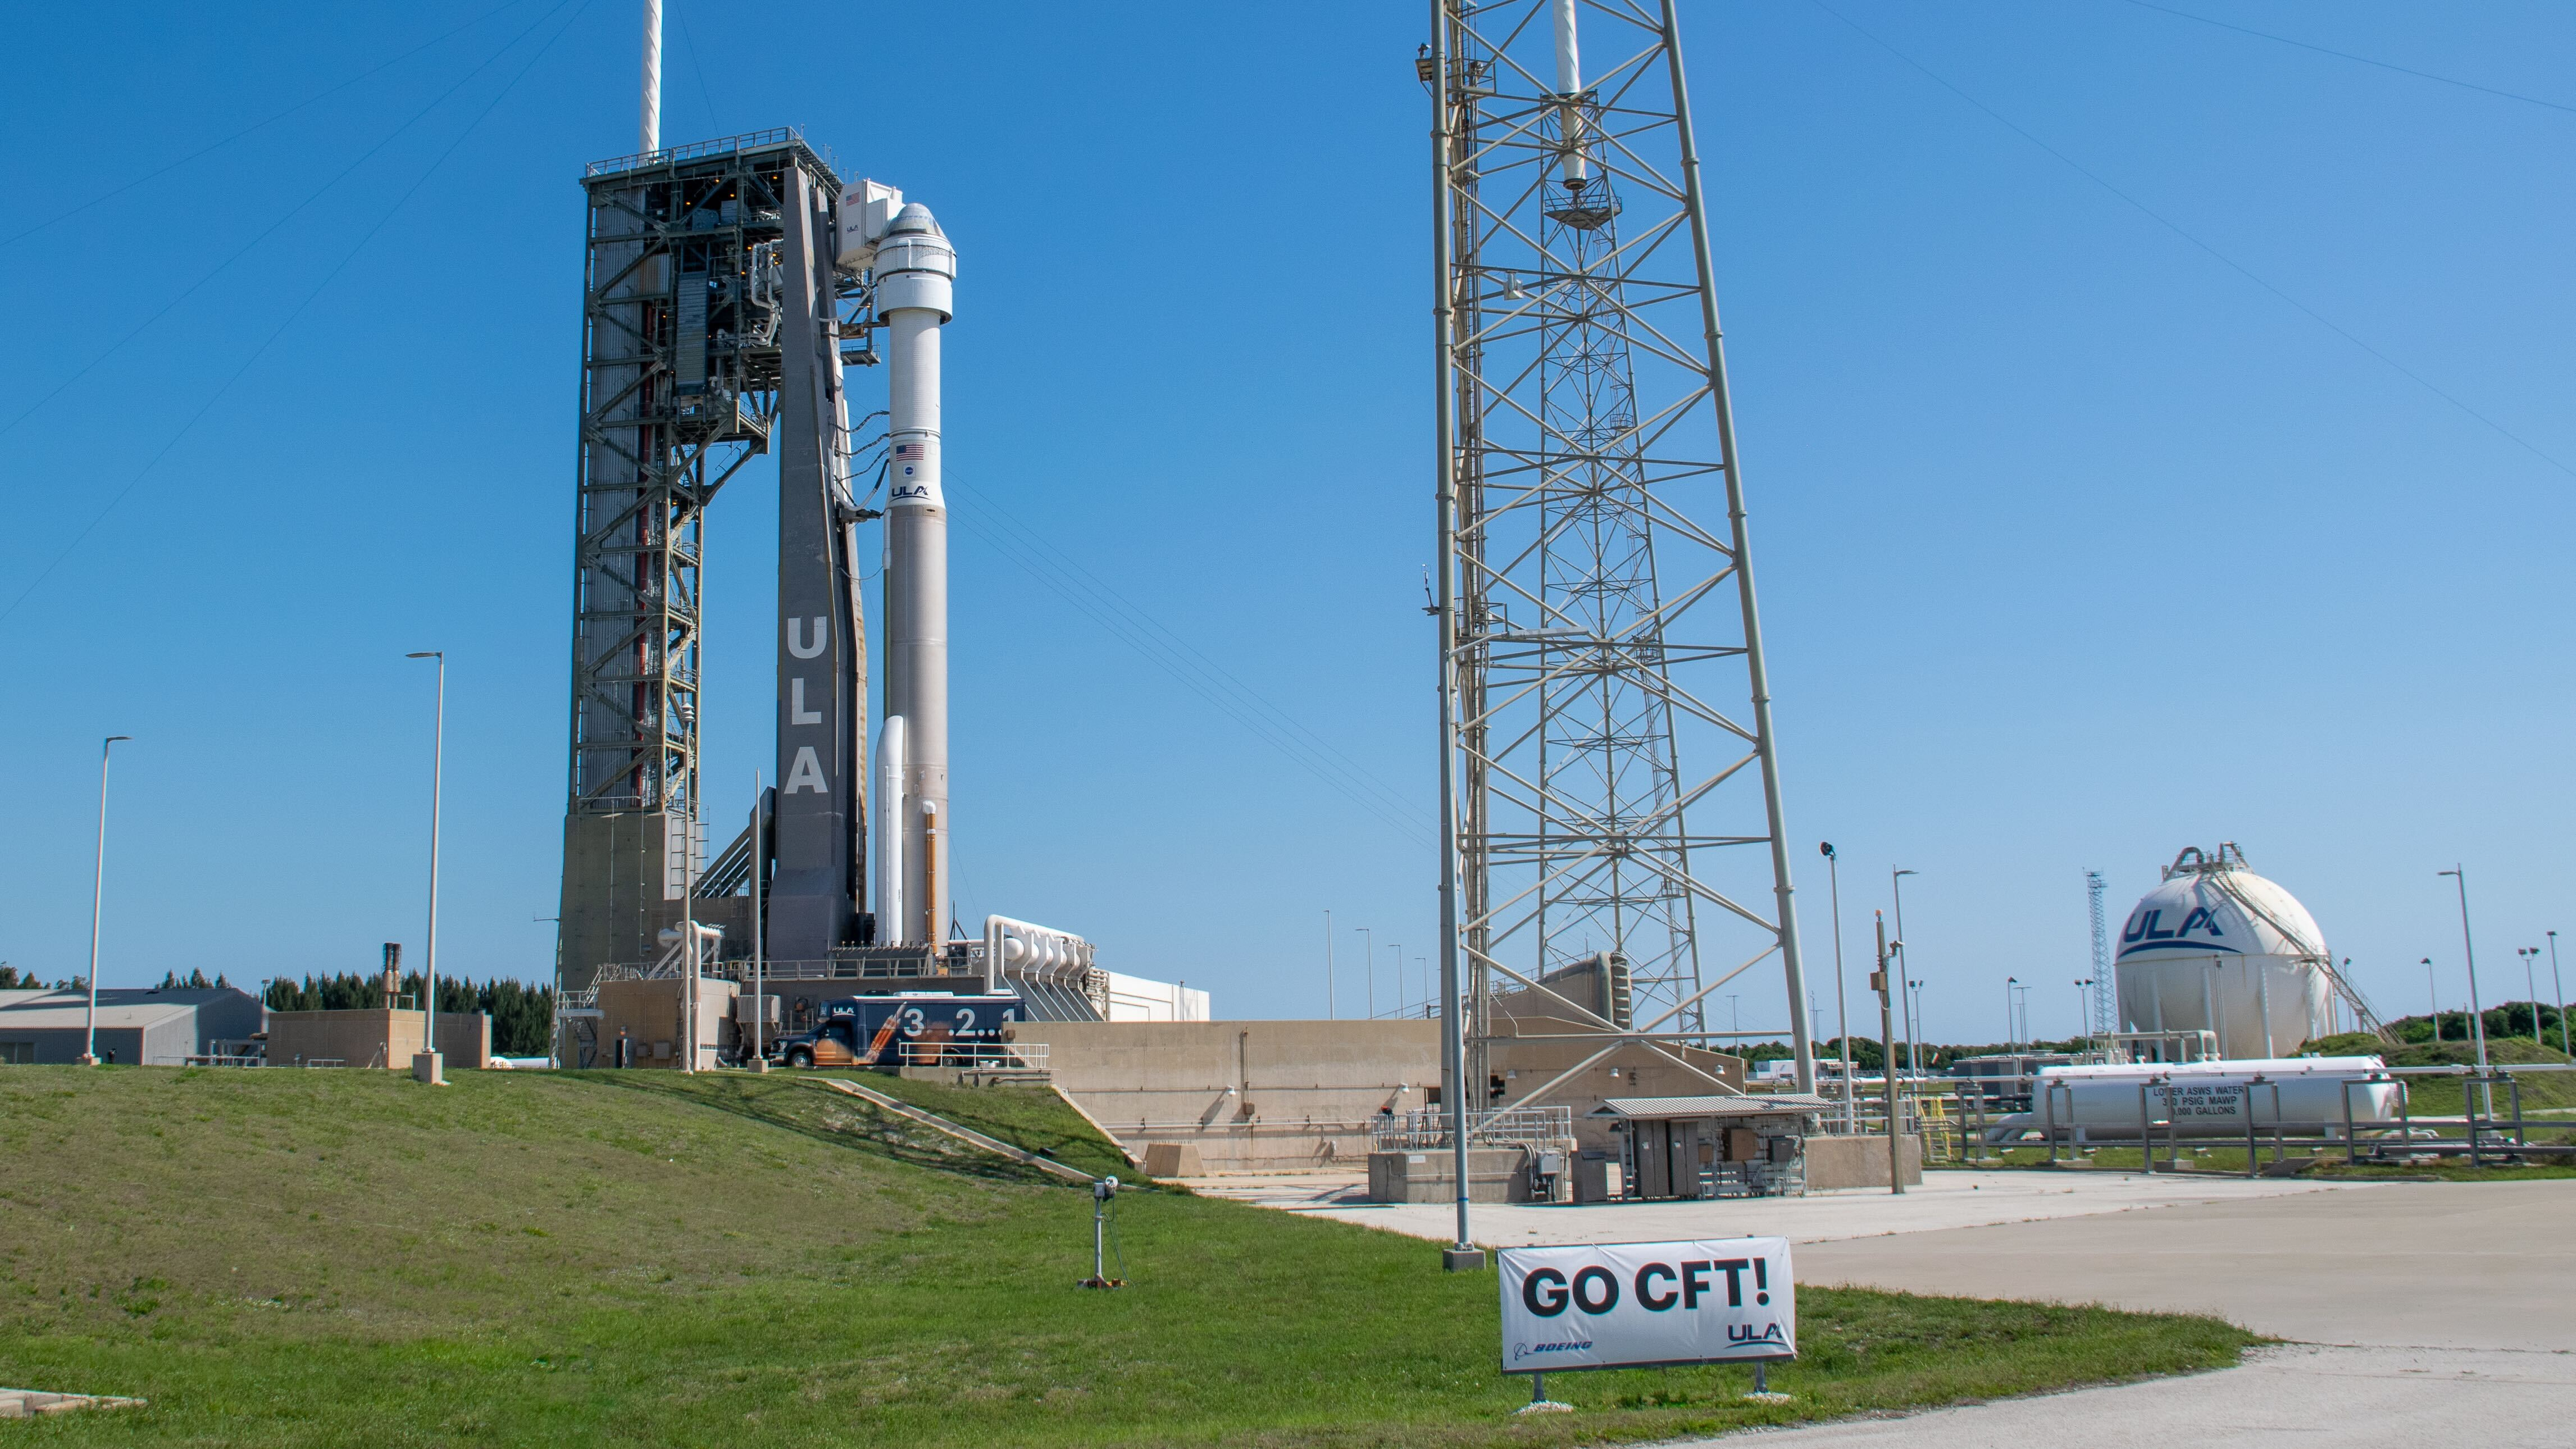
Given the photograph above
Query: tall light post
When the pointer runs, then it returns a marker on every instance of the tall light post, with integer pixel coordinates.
(1914, 1035)
(2009, 983)
(2469, 951)
(2083, 1007)
(1905, 969)
(426, 1065)
(760, 936)
(2558, 996)
(1879, 981)
(2531, 983)
(1842, 1012)
(2433, 989)
(2477, 1013)
(97, 899)
(1328, 966)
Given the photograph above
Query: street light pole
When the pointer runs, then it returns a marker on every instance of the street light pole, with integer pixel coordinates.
(2477, 1013)
(2531, 983)
(1328, 966)
(97, 899)
(2469, 950)
(1842, 1013)
(2433, 989)
(1905, 969)
(1879, 982)
(2083, 1017)
(2009, 983)
(2558, 994)
(429, 1060)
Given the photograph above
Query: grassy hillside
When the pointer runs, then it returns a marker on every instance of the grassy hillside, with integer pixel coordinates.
(339, 1257)
(2440, 1096)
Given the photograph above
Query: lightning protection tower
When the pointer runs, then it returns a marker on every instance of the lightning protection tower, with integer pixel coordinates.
(1610, 775)
(2104, 989)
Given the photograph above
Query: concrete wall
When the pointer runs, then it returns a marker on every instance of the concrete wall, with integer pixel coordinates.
(1630, 1070)
(651, 1015)
(1860, 1161)
(1251, 1096)
(376, 1038)
(1296, 1096)
(1493, 1175)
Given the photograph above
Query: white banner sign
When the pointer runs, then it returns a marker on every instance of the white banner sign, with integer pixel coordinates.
(1624, 1305)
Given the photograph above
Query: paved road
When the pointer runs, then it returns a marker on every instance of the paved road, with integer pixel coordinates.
(2346, 1398)
(2420, 1313)
(2450, 1265)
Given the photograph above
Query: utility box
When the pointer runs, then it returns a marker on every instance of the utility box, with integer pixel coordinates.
(1598, 1177)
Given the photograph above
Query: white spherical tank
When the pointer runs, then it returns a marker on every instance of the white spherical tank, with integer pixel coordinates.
(2218, 948)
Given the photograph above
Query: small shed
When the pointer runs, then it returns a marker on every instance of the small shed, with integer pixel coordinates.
(1712, 1146)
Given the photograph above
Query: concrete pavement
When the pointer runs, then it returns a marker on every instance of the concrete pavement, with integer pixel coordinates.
(2351, 1398)
(1944, 1200)
(2454, 1265)
(2420, 1313)
(2417, 1312)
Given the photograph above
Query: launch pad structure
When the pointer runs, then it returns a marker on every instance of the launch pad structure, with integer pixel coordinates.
(727, 284)
(1610, 784)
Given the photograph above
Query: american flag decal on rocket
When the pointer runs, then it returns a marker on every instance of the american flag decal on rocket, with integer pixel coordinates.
(909, 450)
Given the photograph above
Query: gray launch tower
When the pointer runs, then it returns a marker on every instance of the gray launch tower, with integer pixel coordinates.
(710, 336)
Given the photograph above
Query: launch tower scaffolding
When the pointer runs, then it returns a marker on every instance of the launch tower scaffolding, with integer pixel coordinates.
(684, 295)
(1611, 785)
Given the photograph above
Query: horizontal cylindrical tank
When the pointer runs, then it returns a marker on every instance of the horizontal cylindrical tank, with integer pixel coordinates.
(2220, 949)
(2210, 1099)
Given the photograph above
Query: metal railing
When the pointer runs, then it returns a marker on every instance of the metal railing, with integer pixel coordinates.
(1428, 1127)
(974, 1056)
(720, 146)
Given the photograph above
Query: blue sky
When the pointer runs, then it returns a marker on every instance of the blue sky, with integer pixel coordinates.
(2088, 527)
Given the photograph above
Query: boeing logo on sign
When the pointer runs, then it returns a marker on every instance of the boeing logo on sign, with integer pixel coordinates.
(2145, 931)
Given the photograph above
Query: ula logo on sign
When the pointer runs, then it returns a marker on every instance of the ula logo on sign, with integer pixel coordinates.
(1647, 1303)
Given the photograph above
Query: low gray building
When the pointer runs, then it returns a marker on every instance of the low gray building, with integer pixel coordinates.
(156, 1027)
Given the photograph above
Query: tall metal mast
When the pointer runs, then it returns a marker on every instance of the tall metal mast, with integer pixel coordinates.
(2103, 987)
(1619, 792)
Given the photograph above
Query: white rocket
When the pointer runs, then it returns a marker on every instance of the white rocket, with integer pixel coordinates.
(915, 271)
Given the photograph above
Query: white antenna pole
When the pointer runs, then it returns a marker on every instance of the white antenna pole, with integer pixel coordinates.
(650, 135)
(1569, 84)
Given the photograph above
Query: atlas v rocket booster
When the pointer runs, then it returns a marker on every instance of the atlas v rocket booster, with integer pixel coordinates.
(915, 271)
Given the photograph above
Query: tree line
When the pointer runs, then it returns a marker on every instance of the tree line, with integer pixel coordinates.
(523, 1016)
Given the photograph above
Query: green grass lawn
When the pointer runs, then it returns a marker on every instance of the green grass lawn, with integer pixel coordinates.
(339, 1257)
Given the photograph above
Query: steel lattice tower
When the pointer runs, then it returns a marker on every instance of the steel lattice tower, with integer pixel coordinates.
(1609, 766)
(707, 340)
(2105, 990)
